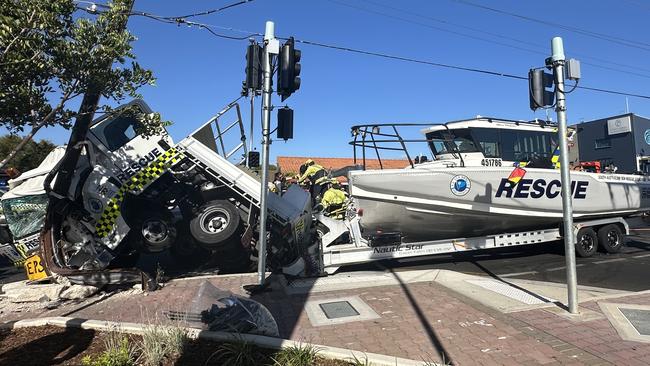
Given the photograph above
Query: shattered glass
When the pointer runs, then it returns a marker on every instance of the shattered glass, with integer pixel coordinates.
(25, 215)
(219, 310)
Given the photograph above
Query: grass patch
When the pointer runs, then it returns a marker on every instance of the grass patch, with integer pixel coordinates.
(160, 341)
(119, 351)
(299, 355)
(238, 353)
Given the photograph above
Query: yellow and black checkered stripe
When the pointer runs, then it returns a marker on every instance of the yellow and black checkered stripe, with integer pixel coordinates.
(135, 184)
(556, 158)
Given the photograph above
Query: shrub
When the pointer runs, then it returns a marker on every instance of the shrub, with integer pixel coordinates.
(300, 355)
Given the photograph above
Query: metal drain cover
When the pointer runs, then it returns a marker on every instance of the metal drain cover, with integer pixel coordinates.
(640, 319)
(338, 309)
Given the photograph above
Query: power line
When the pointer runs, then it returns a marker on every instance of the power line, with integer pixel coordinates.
(349, 49)
(601, 36)
(502, 36)
(207, 12)
(92, 9)
(476, 37)
(455, 67)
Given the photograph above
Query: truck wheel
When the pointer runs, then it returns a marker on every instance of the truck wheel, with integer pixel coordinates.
(586, 242)
(153, 234)
(215, 223)
(610, 238)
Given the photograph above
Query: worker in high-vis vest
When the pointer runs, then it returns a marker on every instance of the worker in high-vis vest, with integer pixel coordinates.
(316, 175)
(333, 199)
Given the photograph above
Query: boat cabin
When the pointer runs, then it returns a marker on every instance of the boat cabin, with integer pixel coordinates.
(480, 141)
(493, 142)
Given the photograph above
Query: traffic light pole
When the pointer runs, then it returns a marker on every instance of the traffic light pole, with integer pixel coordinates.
(558, 61)
(271, 47)
(250, 139)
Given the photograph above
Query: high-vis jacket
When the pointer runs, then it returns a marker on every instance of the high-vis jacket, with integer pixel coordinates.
(333, 197)
(313, 172)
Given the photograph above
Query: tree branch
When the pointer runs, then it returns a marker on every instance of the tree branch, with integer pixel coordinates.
(20, 34)
(36, 127)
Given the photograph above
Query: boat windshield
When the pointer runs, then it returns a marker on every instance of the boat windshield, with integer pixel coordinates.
(507, 144)
(25, 215)
(451, 141)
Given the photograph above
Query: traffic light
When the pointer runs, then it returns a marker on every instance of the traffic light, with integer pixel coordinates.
(253, 67)
(538, 81)
(285, 123)
(288, 69)
(253, 159)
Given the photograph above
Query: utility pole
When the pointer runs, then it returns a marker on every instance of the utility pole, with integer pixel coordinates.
(271, 48)
(557, 61)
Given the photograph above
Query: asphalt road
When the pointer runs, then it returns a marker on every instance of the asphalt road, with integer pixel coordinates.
(627, 270)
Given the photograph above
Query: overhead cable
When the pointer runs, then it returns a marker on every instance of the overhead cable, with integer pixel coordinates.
(613, 39)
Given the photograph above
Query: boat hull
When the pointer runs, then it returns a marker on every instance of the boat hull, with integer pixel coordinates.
(441, 203)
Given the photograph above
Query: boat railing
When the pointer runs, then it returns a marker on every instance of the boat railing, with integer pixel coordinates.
(382, 137)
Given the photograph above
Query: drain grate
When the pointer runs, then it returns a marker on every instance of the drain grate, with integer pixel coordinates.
(639, 318)
(338, 309)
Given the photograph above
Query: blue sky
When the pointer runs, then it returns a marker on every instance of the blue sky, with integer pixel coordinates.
(198, 73)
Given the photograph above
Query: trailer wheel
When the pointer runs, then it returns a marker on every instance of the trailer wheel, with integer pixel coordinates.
(215, 223)
(586, 242)
(610, 238)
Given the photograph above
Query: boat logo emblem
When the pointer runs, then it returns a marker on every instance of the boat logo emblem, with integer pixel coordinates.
(646, 136)
(460, 185)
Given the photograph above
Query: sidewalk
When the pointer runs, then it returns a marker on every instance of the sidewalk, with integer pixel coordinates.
(409, 317)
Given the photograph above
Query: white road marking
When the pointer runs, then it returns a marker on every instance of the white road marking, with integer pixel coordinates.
(555, 269)
(610, 260)
(515, 274)
(641, 256)
(562, 268)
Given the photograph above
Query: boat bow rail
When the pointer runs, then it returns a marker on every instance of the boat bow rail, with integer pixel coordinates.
(382, 137)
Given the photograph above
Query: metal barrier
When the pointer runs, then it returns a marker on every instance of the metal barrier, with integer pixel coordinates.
(364, 137)
(206, 133)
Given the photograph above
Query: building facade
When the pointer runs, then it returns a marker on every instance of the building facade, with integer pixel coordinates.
(623, 141)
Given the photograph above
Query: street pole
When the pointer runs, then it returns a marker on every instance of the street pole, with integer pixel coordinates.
(558, 61)
(250, 140)
(271, 47)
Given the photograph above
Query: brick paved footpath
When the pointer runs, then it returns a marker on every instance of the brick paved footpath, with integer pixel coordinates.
(420, 321)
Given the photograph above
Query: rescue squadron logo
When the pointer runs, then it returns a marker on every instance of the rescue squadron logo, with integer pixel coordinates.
(460, 185)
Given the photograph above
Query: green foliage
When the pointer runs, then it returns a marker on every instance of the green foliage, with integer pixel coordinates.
(354, 361)
(118, 352)
(51, 55)
(160, 341)
(300, 355)
(30, 155)
(239, 353)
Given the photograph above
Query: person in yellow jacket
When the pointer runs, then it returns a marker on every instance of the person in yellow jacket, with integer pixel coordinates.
(316, 175)
(334, 198)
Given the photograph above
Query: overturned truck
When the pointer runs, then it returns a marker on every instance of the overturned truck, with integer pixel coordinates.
(134, 194)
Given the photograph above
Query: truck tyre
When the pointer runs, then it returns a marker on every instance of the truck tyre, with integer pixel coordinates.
(215, 223)
(153, 234)
(610, 238)
(586, 242)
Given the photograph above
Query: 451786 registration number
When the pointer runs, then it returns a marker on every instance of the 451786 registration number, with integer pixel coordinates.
(491, 162)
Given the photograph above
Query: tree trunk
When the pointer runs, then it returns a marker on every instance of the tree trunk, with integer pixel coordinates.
(84, 118)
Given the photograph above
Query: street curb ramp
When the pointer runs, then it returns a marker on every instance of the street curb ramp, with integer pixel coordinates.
(193, 333)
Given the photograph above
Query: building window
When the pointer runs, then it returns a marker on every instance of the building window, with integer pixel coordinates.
(602, 144)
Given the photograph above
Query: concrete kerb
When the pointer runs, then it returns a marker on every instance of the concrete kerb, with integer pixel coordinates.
(262, 341)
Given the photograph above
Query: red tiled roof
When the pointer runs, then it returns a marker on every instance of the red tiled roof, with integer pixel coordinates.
(291, 164)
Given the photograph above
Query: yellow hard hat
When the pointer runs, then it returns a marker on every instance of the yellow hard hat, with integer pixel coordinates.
(309, 162)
